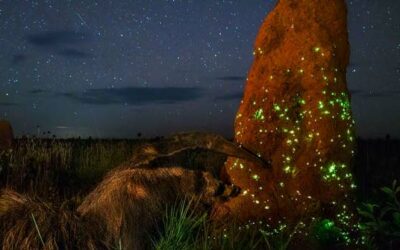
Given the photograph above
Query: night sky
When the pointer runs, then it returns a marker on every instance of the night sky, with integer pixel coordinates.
(116, 68)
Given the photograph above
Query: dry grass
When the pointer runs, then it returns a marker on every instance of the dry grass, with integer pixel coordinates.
(67, 169)
(60, 169)
(29, 223)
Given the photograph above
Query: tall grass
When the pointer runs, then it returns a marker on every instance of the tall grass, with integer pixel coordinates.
(61, 168)
(64, 169)
(181, 228)
(186, 230)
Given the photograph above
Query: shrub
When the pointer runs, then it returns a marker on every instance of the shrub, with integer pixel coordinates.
(380, 225)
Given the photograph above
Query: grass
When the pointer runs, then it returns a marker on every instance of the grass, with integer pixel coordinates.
(381, 219)
(188, 231)
(37, 230)
(379, 229)
(61, 168)
(185, 230)
(68, 169)
(181, 228)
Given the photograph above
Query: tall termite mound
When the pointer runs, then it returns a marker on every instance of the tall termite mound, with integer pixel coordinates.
(296, 113)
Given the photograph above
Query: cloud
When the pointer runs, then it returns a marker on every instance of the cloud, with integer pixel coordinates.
(37, 91)
(74, 53)
(231, 78)
(136, 95)
(19, 58)
(56, 38)
(62, 42)
(8, 104)
(376, 94)
(230, 97)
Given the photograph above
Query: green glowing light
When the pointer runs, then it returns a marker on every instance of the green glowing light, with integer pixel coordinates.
(259, 115)
(309, 137)
(316, 49)
(335, 172)
(330, 172)
(290, 170)
(328, 224)
(277, 108)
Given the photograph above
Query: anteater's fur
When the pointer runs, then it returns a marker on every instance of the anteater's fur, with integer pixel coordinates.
(132, 201)
(148, 154)
(127, 206)
(24, 221)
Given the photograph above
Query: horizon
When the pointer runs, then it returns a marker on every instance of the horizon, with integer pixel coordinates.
(162, 68)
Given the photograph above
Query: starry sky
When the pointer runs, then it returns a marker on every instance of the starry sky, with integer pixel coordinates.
(117, 68)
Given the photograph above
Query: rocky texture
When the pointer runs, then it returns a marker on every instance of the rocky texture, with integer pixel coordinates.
(296, 113)
(6, 135)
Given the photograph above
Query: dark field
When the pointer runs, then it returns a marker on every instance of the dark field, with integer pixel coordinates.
(67, 169)
(60, 169)
(377, 164)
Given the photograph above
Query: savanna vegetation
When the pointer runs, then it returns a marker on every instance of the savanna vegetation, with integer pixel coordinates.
(64, 171)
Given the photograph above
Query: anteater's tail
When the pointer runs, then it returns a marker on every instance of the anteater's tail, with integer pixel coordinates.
(27, 223)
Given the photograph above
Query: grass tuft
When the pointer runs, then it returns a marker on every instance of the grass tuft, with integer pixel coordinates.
(181, 228)
(37, 230)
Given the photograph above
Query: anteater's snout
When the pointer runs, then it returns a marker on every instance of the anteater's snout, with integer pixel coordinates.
(227, 191)
(235, 191)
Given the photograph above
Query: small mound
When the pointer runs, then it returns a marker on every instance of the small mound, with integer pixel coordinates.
(6, 135)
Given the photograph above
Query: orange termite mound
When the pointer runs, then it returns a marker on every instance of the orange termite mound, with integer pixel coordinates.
(6, 135)
(296, 113)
